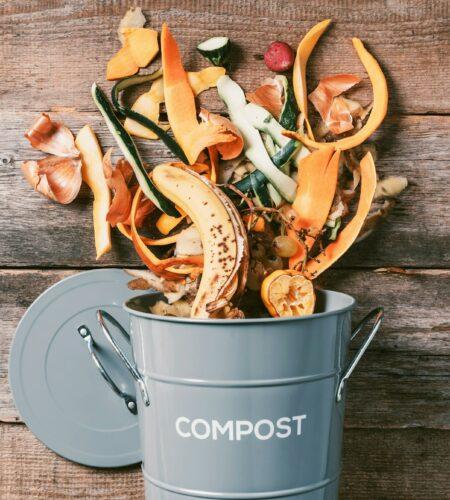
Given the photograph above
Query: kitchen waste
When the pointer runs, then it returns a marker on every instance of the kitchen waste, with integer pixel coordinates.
(260, 196)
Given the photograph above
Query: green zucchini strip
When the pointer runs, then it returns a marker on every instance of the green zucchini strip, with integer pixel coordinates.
(233, 96)
(131, 153)
(121, 85)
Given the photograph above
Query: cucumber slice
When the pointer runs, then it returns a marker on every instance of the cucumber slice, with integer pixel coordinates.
(131, 153)
(217, 50)
(233, 96)
(261, 193)
(124, 111)
(289, 112)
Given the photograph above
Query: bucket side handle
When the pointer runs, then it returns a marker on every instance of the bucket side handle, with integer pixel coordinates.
(101, 316)
(376, 315)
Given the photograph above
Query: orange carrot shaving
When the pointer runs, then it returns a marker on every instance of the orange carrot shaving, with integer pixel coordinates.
(317, 179)
(180, 104)
(348, 235)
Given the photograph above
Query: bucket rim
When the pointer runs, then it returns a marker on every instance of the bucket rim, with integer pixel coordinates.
(247, 321)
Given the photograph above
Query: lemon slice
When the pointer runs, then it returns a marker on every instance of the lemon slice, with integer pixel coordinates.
(288, 293)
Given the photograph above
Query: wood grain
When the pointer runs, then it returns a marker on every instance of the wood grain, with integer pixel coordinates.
(410, 41)
(397, 416)
(402, 382)
(401, 464)
(415, 234)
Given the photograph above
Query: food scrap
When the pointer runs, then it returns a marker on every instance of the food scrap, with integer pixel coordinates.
(259, 198)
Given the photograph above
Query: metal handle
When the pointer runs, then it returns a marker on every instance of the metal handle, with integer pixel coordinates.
(86, 335)
(101, 316)
(377, 315)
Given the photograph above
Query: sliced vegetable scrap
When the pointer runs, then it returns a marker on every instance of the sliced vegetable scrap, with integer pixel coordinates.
(348, 235)
(288, 293)
(143, 44)
(130, 151)
(92, 171)
(148, 104)
(377, 114)
(233, 96)
(161, 267)
(180, 104)
(133, 18)
(139, 46)
(231, 149)
(217, 50)
(269, 95)
(116, 179)
(166, 223)
(317, 180)
(121, 64)
(304, 50)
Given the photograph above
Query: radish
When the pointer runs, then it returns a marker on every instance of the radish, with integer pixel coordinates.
(279, 57)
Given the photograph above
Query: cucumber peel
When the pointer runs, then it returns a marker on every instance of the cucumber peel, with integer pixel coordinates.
(124, 111)
(233, 96)
(131, 153)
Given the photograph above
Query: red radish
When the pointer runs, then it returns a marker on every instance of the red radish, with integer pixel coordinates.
(279, 57)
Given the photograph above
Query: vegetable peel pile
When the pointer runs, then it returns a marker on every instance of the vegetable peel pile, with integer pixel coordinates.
(260, 197)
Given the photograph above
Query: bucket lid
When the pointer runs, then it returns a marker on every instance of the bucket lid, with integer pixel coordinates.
(58, 390)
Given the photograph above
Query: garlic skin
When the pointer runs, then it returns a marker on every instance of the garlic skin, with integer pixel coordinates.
(390, 187)
(59, 179)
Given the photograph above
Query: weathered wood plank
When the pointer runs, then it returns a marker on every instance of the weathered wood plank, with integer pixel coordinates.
(47, 234)
(410, 41)
(395, 465)
(376, 464)
(403, 380)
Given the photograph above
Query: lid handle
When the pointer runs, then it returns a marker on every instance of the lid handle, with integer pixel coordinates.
(101, 316)
(86, 335)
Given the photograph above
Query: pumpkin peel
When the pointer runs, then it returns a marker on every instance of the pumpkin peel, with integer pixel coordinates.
(92, 173)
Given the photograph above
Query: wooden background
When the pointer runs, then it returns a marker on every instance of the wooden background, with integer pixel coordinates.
(396, 438)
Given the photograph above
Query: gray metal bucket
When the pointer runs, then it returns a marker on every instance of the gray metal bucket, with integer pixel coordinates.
(244, 409)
